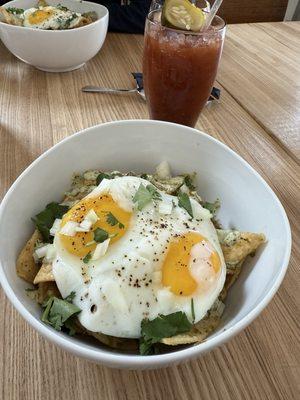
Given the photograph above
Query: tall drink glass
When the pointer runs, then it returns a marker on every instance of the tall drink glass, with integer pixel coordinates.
(179, 69)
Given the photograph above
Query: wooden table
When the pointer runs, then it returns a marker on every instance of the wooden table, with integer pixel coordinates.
(259, 117)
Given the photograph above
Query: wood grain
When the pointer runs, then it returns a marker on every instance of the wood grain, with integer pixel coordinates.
(39, 109)
(261, 70)
(239, 11)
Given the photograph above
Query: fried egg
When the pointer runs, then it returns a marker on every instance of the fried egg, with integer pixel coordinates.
(157, 260)
(50, 18)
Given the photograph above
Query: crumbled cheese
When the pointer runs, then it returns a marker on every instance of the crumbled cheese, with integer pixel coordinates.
(228, 237)
(55, 227)
(79, 229)
(41, 251)
(184, 189)
(69, 229)
(100, 249)
(50, 255)
(163, 170)
(90, 219)
(218, 307)
(91, 216)
(85, 226)
(35, 257)
(90, 243)
(202, 213)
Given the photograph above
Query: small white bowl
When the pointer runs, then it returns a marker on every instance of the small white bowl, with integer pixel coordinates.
(56, 51)
(247, 203)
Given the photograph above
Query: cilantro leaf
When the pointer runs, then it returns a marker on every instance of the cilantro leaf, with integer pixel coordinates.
(70, 297)
(102, 176)
(14, 10)
(87, 258)
(61, 7)
(212, 207)
(44, 220)
(165, 326)
(154, 193)
(70, 325)
(145, 195)
(57, 312)
(100, 235)
(146, 347)
(68, 21)
(161, 327)
(142, 197)
(112, 220)
(185, 202)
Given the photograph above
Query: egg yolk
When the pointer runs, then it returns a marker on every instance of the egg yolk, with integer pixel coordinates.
(79, 245)
(39, 16)
(175, 272)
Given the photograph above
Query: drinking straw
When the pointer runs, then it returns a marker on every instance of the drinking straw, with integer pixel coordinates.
(211, 14)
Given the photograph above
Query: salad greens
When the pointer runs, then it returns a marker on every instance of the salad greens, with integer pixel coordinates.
(144, 195)
(58, 313)
(185, 202)
(44, 220)
(161, 327)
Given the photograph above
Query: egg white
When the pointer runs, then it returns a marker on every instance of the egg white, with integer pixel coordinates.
(57, 20)
(116, 292)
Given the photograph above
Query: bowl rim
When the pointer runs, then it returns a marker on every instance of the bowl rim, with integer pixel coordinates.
(58, 31)
(139, 361)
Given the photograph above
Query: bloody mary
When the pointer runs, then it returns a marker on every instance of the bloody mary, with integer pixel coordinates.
(179, 69)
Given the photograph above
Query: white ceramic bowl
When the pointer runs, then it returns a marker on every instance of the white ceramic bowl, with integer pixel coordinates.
(247, 203)
(56, 51)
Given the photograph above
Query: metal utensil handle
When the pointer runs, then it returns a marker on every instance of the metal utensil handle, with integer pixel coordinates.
(97, 89)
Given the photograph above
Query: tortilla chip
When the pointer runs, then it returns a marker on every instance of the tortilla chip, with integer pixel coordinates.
(231, 277)
(44, 274)
(115, 342)
(4, 15)
(92, 15)
(245, 244)
(47, 289)
(235, 249)
(193, 336)
(9, 18)
(43, 291)
(110, 341)
(26, 266)
(42, 3)
(201, 329)
(169, 186)
(82, 22)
